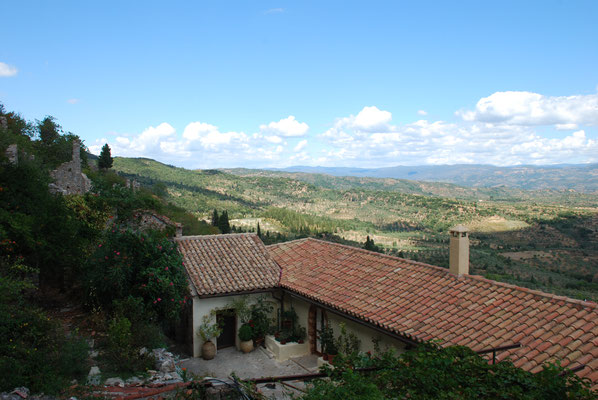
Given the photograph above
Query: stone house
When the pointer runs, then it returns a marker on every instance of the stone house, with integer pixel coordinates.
(398, 302)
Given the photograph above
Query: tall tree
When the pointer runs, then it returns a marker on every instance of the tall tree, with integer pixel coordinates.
(223, 223)
(48, 130)
(105, 161)
(215, 218)
(259, 231)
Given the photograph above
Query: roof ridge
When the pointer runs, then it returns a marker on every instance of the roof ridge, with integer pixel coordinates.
(290, 241)
(215, 236)
(346, 246)
(473, 277)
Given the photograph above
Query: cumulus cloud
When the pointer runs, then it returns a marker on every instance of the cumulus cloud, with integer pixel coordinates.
(288, 127)
(422, 112)
(201, 145)
(494, 133)
(440, 142)
(7, 70)
(527, 108)
(73, 101)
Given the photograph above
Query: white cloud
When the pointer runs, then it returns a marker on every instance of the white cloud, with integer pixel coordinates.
(7, 70)
(73, 101)
(422, 112)
(566, 127)
(371, 118)
(440, 142)
(288, 127)
(300, 146)
(274, 11)
(526, 108)
(370, 139)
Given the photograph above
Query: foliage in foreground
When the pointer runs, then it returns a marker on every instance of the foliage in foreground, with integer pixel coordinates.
(132, 264)
(430, 372)
(33, 350)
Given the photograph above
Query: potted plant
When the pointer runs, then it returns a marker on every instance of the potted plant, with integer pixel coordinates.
(327, 341)
(260, 319)
(207, 331)
(245, 336)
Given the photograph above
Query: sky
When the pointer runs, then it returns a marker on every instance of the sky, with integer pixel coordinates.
(260, 84)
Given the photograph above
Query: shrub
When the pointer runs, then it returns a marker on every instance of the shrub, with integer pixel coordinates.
(121, 354)
(146, 267)
(245, 333)
(33, 351)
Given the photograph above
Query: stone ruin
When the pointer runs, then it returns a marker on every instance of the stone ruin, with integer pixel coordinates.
(12, 153)
(68, 178)
(144, 220)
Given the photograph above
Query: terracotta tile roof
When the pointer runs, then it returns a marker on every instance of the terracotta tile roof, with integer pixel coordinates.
(218, 264)
(422, 301)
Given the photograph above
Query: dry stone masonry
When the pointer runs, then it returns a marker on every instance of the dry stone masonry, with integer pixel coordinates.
(68, 178)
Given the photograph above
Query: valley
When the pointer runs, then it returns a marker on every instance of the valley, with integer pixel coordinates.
(543, 239)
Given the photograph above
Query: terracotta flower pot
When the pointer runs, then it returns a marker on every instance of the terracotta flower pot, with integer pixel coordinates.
(208, 350)
(246, 346)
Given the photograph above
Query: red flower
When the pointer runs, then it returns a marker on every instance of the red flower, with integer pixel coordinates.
(159, 299)
(166, 269)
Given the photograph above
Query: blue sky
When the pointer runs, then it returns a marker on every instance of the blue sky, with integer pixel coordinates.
(278, 83)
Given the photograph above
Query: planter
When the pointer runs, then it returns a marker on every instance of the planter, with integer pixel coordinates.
(246, 346)
(208, 350)
(283, 352)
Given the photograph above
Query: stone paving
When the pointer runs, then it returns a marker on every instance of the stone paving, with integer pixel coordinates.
(257, 364)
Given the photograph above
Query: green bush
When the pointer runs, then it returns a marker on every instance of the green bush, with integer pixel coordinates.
(245, 333)
(33, 350)
(431, 372)
(121, 354)
(146, 267)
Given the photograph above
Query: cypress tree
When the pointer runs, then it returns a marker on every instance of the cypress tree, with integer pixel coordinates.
(223, 224)
(259, 231)
(105, 160)
(215, 218)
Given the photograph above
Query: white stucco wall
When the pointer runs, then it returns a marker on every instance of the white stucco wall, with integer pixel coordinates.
(205, 306)
(364, 333)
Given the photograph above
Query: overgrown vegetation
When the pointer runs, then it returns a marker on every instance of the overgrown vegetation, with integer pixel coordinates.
(432, 372)
(68, 248)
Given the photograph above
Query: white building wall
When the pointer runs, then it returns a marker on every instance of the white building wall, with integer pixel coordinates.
(364, 333)
(205, 306)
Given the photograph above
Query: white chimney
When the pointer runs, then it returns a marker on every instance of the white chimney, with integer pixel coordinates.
(459, 251)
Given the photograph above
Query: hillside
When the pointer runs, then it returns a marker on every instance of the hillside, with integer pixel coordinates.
(531, 239)
(580, 178)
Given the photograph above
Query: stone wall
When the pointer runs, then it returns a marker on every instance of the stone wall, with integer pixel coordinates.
(68, 178)
(12, 153)
(144, 220)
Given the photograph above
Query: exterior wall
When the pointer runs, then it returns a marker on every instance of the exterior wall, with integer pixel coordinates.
(364, 333)
(203, 307)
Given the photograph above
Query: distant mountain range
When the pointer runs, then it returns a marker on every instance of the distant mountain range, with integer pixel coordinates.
(578, 177)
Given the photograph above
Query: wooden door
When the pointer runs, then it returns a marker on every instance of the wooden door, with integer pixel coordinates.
(227, 320)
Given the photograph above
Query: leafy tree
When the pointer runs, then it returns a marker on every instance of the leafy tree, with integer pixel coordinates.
(140, 265)
(48, 130)
(105, 160)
